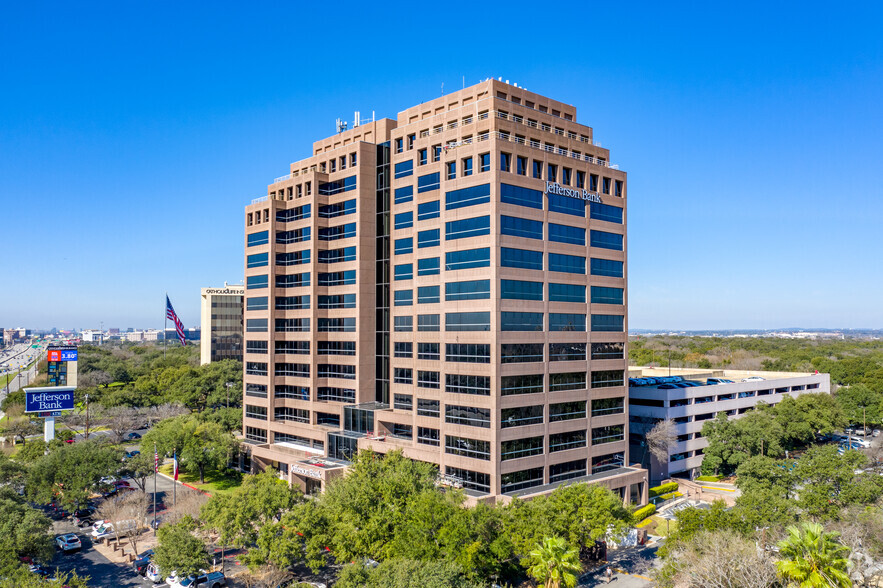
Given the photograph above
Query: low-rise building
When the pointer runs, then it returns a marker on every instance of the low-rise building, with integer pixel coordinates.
(689, 397)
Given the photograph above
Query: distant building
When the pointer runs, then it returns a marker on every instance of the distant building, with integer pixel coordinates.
(689, 397)
(221, 321)
(92, 336)
(134, 336)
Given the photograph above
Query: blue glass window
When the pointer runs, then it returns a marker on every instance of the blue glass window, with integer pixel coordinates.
(471, 290)
(521, 258)
(428, 238)
(338, 232)
(468, 227)
(467, 196)
(405, 194)
(567, 234)
(259, 238)
(572, 264)
(567, 322)
(404, 271)
(428, 183)
(428, 295)
(606, 240)
(457, 260)
(607, 322)
(468, 321)
(403, 220)
(518, 290)
(293, 214)
(607, 267)
(337, 278)
(339, 209)
(256, 282)
(405, 245)
(293, 236)
(421, 157)
(521, 227)
(428, 210)
(294, 257)
(404, 298)
(258, 260)
(256, 303)
(428, 266)
(602, 295)
(521, 321)
(404, 168)
(467, 167)
(332, 188)
(294, 280)
(567, 205)
(605, 212)
(521, 196)
(451, 170)
(567, 293)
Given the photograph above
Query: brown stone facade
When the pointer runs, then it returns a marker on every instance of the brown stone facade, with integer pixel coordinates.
(426, 284)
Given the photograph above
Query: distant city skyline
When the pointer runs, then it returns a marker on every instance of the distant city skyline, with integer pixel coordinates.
(127, 154)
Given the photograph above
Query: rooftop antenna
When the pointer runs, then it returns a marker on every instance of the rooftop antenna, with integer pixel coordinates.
(356, 119)
(464, 82)
(341, 125)
(443, 88)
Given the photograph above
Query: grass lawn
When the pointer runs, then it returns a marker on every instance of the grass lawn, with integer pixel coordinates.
(661, 527)
(215, 482)
(5, 379)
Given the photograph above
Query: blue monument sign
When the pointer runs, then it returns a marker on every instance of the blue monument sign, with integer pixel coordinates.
(49, 399)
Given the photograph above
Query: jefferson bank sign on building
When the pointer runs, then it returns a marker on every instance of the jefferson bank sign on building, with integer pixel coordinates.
(221, 319)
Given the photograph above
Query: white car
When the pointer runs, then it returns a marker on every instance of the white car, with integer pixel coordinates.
(102, 532)
(153, 574)
(753, 379)
(68, 542)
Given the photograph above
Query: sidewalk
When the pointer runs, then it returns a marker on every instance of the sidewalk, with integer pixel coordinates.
(709, 491)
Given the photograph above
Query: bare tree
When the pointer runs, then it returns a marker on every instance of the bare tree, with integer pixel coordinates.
(661, 440)
(19, 425)
(120, 419)
(154, 414)
(187, 502)
(721, 560)
(268, 576)
(94, 379)
(128, 515)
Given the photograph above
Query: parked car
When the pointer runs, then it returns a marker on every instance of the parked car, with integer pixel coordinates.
(152, 573)
(84, 516)
(133, 436)
(207, 579)
(122, 484)
(753, 379)
(142, 561)
(131, 454)
(68, 542)
(876, 432)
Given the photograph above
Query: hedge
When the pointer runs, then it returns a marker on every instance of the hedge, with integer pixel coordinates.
(708, 479)
(670, 495)
(663, 489)
(644, 512)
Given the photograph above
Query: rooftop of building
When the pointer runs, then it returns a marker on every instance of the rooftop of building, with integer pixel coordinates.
(654, 377)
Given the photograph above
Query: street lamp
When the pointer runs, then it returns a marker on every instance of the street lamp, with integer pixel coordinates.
(228, 385)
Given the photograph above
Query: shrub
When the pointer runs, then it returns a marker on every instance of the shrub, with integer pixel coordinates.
(670, 495)
(708, 479)
(644, 512)
(663, 489)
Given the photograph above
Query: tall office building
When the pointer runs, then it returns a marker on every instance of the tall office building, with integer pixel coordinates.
(453, 284)
(221, 324)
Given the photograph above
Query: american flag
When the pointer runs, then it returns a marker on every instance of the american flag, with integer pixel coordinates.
(171, 315)
(175, 458)
(155, 460)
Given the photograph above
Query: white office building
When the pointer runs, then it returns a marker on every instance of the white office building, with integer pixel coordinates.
(689, 397)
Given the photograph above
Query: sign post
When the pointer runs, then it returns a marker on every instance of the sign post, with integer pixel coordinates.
(48, 403)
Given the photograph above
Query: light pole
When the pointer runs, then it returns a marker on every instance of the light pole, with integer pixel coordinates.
(228, 385)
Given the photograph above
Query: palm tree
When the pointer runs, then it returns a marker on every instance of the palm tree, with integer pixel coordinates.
(555, 565)
(811, 558)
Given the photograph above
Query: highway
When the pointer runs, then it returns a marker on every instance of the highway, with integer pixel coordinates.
(14, 359)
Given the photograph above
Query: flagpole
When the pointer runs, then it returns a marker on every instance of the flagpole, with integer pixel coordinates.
(165, 325)
(155, 467)
(175, 486)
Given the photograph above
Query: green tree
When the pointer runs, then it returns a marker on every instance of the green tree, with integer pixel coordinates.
(806, 416)
(139, 469)
(27, 528)
(200, 445)
(812, 558)
(554, 564)
(238, 517)
(860, 403)
(15, 574)
(72, 471)
(828, 481)
(732, 442)
(179, 550)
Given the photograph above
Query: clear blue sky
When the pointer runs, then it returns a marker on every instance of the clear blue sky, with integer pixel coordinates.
(132, 135)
